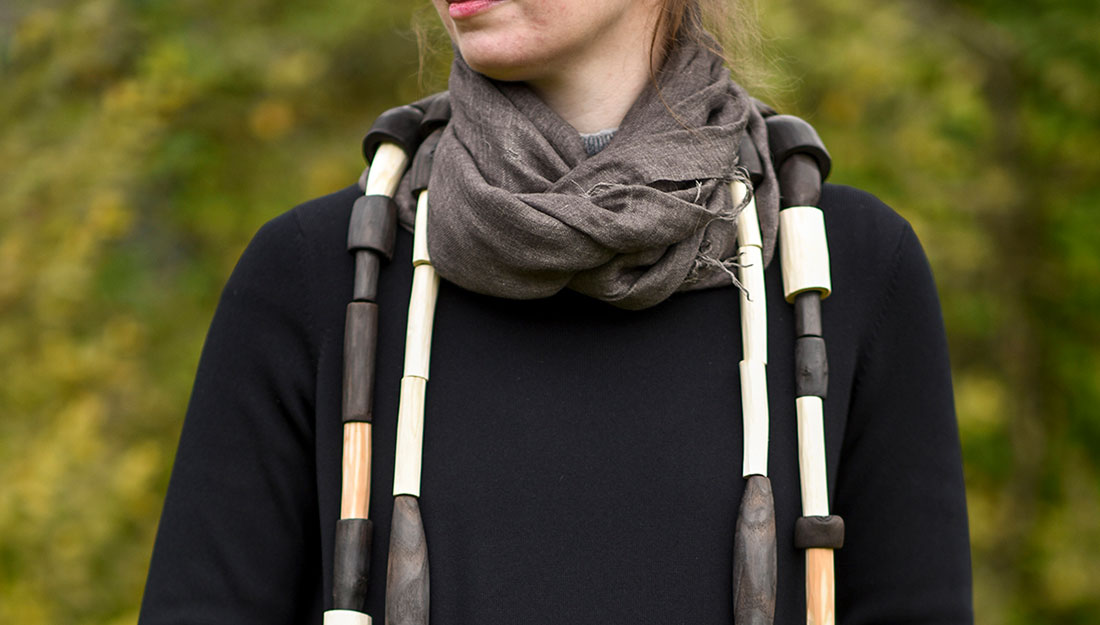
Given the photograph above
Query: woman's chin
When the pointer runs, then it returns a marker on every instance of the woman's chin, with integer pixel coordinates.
(505, 67)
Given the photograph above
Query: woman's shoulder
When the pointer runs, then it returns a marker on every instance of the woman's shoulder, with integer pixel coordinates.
(866, 237)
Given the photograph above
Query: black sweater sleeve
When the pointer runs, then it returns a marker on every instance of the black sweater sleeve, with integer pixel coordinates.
(899, 484)
(237, 529)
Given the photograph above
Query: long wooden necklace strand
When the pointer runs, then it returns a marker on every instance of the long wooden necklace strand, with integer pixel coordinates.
(803, 164)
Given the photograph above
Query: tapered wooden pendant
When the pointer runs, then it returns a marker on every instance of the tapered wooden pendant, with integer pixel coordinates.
(407, 572)
(754, 555)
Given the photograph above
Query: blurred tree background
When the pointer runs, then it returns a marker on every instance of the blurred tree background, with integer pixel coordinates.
(142, 143)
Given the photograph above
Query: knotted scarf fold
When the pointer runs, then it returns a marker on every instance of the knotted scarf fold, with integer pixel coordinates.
(519, 210)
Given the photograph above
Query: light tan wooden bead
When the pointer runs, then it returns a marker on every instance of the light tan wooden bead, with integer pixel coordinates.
(804, 251)
(418, 334)
(820, 587)
(754, 311)
(748, 222)
(420, 238)
(386, 170)
(346, 617)
(754, 415)
(410, 437)
(355, 491)
(811, 456)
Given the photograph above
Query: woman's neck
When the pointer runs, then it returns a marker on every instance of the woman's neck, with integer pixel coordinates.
(595, 93)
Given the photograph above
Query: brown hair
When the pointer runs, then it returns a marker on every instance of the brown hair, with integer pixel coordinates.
(729, 28)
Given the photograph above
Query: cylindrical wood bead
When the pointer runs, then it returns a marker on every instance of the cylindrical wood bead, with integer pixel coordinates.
(748, 222)
(754, 555)
(811, 456)
(367, 268)
(355, 474)
(351, 564)
(386, 169)
(418, 336)
(421, 172)
(373, 225)
(407, 589)
(799, 181)
(754, 310)
(420, 236)
(789, 135)
(807, 314)
(803, 251)
(754, 408)
(346, 617)
(410, 437)
(819, 532)
(820, 607)
(811, 368)
(397, 126)
(360, 341)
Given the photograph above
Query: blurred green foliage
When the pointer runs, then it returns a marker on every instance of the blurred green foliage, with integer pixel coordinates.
(143, 142)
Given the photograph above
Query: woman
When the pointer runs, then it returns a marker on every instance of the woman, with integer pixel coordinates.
(583, 435)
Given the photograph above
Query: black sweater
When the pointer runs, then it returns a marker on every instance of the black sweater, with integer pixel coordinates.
(582, 464)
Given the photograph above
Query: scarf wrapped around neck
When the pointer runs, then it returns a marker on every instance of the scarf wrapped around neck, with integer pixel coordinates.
(519, 210)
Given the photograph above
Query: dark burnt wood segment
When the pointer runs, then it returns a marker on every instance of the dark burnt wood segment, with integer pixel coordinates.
(373, 225)
(789, 135)
(437, 114)
(360, 341)
(811, 368)
(421, 172)
(401, 125)
(799, 181)
(819, 532)
(754, 555)
(807, 314)
(351, 567)
(367, 267)
(407, 570)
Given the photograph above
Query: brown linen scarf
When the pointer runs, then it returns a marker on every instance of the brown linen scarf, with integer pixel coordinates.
(519, 210)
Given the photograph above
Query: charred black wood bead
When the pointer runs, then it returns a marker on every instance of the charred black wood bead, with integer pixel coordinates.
(400, 125)
(351, 564)
(789, 135)
(437, 114)
(799, 182)
(421, 171)
(367, 266)
(754, 555)
(373, 225)
(360, 340)
(749, 159)
(807, 314)
(819, 532)
(811, 369)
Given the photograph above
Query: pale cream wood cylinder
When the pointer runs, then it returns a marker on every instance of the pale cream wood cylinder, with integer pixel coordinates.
(420, 229)
(754, 416)
(418, 335)
(804, 251)
(748, 222)
(355, 490)
(811, 456)
(346, 617)
(754, 311)
(410, 437)
(385, 169)
(820, 592)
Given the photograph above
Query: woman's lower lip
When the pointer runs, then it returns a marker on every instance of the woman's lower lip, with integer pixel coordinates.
(469, 8)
